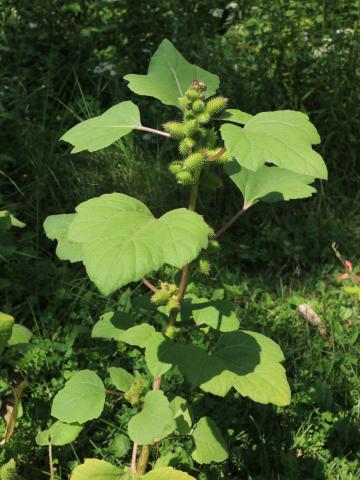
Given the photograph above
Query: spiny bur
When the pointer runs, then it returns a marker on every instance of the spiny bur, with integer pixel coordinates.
(136, 392)
(192, 94)
(203, 118)
(216, 105)
(186, 145)
(161, 297)
(175, 167)
(8, 471)
(194, 161)
(198, 106)
(176, 129)
(172, 331)
(184, 178)
(173, 304)
(204, 266)
(190, 127)
(214, 246)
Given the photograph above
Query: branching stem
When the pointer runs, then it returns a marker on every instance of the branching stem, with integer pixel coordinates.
(154, 130)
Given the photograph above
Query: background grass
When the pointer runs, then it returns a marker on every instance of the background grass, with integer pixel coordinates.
(64, 61)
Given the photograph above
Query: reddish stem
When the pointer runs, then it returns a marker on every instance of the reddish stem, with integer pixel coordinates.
(153, 130)
(149, 285)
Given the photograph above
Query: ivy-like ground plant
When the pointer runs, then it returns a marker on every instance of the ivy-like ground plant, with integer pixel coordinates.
(269, 157)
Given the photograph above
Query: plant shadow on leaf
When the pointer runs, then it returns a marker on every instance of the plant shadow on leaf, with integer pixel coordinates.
(224, 309)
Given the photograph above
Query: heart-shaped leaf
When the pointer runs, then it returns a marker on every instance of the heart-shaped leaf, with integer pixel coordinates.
(258, 185)
(284, 138)
(82, 398)
(154, 422)
(56, 228)
(58, 434)
(94, 469)
(122, 241)
(169, 76)
(210, 445)
(100, 132)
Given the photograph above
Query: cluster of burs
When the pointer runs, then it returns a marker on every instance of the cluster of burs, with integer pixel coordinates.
(197, 140)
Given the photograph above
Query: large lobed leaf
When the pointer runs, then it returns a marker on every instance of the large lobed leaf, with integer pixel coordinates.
(266, 180)
(283, 138)
(121, 241)
(244, 360)
(169, 76)
(103, 130)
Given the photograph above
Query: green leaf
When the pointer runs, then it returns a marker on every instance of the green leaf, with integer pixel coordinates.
(258, 185)
(19, 335)
(56, 228)
(122, 241)
(121, 378)
(112, 325)
(210, 445)
(100, 132)
(180, 409)
(244, 360)
(139, 335)
(166, 473)
(217, 314)
(82, 398)
(235, 116)
(169, 76)
(58, 434)
(5, 220)
(119, 445)
(94, 469)
(6, 326)
(154, 422)
(15, 222)
(283, 138)
(154, 364)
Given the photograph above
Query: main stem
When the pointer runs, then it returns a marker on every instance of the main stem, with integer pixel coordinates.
(144, 455)
(51, 463)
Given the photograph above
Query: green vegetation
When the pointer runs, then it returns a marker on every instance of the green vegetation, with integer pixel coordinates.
(63, 62)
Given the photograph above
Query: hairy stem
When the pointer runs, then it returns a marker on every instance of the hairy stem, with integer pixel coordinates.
(143, 460)
(218, 155)
(144, 455)
(149, 285)
(231, 221)
(154, 130)
(114, 392)
(51, 463)
(133, 460)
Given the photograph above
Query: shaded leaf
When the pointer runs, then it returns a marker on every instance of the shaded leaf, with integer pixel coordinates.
(6, 327)
(169, 76)
(284, 138)
(154, 364)
(235, 116)
(258, 185)
(244, 360)
(82, 398)
(154, 422)
(217, 314)
(19, 335)
(112, 325)
(100, 132)
(210, 445)
(180, 409)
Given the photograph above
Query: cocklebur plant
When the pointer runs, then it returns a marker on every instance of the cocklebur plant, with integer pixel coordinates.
(269, 157)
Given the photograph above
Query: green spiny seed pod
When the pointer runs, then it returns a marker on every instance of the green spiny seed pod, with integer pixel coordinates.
(203, 118)
(192, 94)
(194, 161)
(173, 304)
(185, 178)
(184, 102)
(161, 297)
(176, 129)
(212, 234)
(172, 331)
(216, 105)
(8, 471)
(214, 246)
(186, 145)
(198, 106)
(210, 138)
(189, 115)
(190, 127)
(175, 167)
(169, 287)
(204, 266)
(211, 181)
(135, 393)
